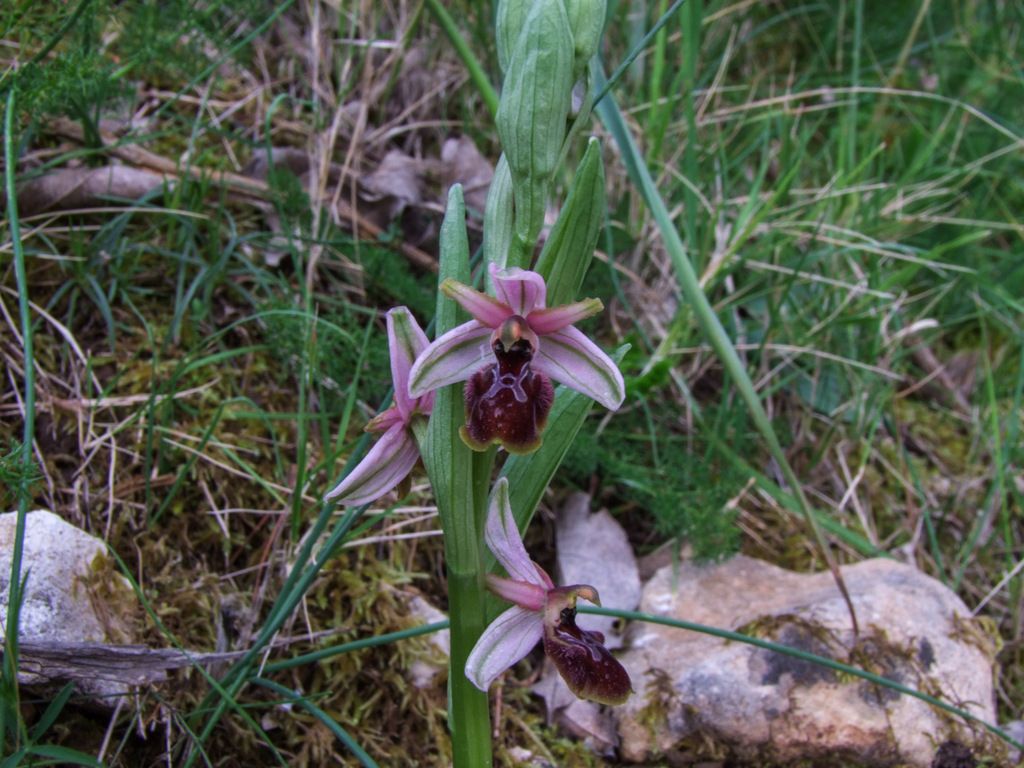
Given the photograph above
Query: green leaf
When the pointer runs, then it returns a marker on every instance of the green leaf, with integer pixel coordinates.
(448, 460)
(508, 24)
(569, 248)
(64, 755)
(52, 712)
(499, 218)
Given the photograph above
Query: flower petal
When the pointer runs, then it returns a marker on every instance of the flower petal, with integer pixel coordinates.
(544, 321)
(406, 342)
(384, 467)
(522, 290)
(571, 358)
(525, 595)
(507, 640)
(485, 309)
(385, 420)
(455, 356)
(503, 539)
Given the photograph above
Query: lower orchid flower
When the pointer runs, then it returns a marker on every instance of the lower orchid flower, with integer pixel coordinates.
(510, 352)
(542, 612)
(391, 460)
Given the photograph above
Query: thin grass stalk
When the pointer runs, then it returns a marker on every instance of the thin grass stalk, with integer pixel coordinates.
(299, 580)
(607, 84)
(706, 317)
(355, 645)
(677, 624)
(472, 64)
(691, 40)
(332, 725)
(14, 596)
(301, 425)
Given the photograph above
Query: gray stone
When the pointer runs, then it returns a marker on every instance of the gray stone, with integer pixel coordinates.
(74, 593)
(707, 697)
(1015, 730)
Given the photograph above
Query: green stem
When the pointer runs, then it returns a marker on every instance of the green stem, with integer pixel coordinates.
(472, 64)
(460, 479)
(468, 714)
(457, 476)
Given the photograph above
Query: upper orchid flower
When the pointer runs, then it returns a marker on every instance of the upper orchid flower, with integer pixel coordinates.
(510, 351)
(542, 611)
(395, 454)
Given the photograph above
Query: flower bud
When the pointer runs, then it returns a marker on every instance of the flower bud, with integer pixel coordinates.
(586, 20)
(532, 113)
(511, 15)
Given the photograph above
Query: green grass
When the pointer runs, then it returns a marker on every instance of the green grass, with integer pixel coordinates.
(847, 183)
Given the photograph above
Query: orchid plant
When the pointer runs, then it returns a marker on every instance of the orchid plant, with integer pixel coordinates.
(509, 354)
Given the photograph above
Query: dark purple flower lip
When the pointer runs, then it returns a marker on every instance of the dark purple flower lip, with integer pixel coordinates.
(540, 612)
(507, 402)
(579, 655)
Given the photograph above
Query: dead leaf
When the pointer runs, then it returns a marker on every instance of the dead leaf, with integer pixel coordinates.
(86, 188)
(294, 159)
(462, 163)
(397, 178)
(240, 187)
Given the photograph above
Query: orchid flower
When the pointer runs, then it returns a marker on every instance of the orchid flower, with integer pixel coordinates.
(509, 352)
(544, 612)
(391, 460)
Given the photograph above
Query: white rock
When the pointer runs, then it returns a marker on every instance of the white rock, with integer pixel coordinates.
(700, 694)
(73, 593)
(1015, 730)
(424, 671)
